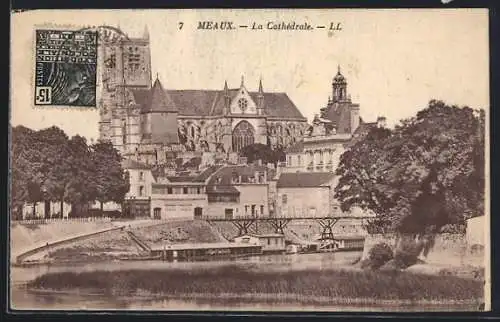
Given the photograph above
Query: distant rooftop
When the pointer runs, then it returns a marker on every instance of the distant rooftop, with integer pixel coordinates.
(304, 179)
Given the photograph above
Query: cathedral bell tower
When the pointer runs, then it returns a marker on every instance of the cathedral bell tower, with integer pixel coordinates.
(339, 87)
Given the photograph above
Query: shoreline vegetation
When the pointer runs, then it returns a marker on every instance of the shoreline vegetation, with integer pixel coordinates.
(233, 282)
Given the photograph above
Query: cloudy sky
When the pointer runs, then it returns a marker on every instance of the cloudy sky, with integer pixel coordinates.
(395, 61)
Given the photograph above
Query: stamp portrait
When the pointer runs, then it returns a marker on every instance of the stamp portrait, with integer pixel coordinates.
(66, 65)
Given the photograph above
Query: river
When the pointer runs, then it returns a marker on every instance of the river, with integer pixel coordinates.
(23, 299)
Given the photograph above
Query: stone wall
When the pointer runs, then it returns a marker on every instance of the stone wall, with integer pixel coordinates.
(448, 249)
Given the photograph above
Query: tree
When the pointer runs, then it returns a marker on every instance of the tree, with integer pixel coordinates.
(52, 168)
(80, 187)
(262, 152)
(21, 144)
(426, 173)
(111, 182)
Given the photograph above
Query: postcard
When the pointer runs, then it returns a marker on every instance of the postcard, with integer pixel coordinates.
(250, 160)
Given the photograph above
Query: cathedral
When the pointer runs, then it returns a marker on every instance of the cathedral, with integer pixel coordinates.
(147, 121)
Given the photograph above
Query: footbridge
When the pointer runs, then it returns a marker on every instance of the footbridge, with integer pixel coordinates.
(244, 224)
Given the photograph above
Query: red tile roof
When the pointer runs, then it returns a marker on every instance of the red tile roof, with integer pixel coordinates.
(225, 174)
(304, 179)
(135, 165)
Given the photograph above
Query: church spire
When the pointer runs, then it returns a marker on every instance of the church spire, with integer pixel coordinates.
(260, 99)
(242, 81)
(227, 98)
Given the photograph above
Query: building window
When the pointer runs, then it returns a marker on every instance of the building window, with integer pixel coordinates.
(243, 135)
(284, 199)
(141, 191)
(261, 209)
(198, 212)
(269, 241)
(299, 161)
(185, 190)
(141, 176)
(242, 104)
(253, 210)
(157, 213)
(289, 160)
(228, 213)
(169, 191)
(276, 241)
(198, 190)
(246, 209)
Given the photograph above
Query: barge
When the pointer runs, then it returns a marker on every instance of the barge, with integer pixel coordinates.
(205, 251)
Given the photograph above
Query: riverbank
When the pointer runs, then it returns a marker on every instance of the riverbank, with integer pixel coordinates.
(308, 286)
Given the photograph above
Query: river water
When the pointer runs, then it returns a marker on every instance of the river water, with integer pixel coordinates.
(23, 299)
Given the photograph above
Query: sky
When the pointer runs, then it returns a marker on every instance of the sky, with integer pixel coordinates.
(395, 61)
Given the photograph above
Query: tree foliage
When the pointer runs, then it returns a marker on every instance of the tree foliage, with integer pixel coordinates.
(426, 173)
(48, 166)
(258, 151)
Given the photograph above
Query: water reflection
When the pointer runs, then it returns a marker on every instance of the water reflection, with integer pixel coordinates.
(21, 298)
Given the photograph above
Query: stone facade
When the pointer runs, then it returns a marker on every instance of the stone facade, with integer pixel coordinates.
(145, 121)
(336, 128)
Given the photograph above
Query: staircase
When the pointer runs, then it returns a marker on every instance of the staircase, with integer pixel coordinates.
(139, 242)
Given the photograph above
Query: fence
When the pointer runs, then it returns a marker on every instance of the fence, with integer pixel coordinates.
(42, 221)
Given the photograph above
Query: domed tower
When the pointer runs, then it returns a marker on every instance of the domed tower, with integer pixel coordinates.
(339, 87)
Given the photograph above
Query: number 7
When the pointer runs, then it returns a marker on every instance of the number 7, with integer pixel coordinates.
(180, 25)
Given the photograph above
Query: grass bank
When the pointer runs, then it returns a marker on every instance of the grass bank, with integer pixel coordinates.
(329, 284)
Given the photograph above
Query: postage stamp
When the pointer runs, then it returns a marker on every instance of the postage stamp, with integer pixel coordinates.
(66, 65)
(250, 160)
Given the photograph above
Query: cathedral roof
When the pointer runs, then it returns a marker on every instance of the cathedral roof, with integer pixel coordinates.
(210, 102)
(158, 100)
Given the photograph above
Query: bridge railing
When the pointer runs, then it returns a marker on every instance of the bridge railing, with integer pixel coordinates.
(42, 221)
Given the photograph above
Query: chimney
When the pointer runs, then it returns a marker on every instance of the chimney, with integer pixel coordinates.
(381, 122)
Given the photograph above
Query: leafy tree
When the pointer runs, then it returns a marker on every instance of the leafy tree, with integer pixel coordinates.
(19, 168)
(52, 168)
(80, 187)
(262, 152)
(426, 173)
(111, 182)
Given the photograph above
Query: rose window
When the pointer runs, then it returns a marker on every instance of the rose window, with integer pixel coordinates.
(242, 104)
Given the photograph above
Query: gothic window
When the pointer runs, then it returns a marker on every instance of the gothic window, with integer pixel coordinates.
(243, 135)
(124, 132)
(242, 104)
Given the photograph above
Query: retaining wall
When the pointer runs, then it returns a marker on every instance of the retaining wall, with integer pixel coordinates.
(448, 249)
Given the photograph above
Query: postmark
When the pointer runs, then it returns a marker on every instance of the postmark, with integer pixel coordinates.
(67, 64)
(65, 67)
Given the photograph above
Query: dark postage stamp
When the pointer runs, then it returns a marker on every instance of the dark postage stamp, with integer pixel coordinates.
(65, 71)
